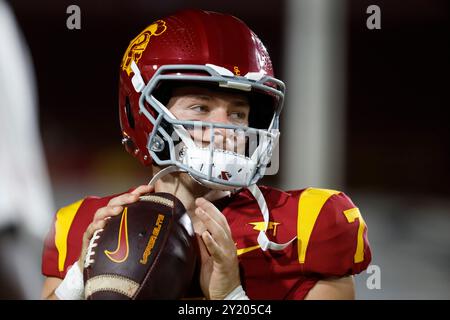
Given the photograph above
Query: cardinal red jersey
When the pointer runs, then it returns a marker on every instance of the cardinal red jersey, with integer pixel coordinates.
(330, 239)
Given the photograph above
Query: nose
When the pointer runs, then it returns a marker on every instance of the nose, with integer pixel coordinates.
(220, 115)
(224, 138)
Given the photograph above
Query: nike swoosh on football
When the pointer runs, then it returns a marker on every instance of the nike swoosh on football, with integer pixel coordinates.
(121, 253)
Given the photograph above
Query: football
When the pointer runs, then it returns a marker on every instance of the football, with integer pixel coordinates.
(147, 252)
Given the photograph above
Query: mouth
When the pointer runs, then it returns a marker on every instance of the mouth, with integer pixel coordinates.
(231, 145)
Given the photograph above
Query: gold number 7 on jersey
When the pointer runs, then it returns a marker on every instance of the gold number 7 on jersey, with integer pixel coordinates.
(351, 215)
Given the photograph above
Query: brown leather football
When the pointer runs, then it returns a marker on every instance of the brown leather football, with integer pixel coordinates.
(147, 252)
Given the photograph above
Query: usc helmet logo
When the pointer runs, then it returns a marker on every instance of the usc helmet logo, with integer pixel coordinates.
(138, 44)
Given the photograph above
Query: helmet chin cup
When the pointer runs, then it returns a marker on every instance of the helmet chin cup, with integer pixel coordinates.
(217, 168)
(213, 185)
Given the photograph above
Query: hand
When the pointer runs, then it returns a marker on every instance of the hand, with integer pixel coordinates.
(219, 273)
(114, 208)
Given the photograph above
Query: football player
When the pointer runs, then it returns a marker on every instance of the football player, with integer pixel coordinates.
(199, 105)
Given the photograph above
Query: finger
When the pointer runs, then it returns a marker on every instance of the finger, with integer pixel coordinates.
(199, 226)
(141, 190)
(204, 253)
(131, 197)
(212, 211)
(212, 246)
(94, 226)
(212, 226)
(107, 212)
(123, 199)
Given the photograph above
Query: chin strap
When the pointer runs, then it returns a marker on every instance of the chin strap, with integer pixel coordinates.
(162, 173)
(263, 241)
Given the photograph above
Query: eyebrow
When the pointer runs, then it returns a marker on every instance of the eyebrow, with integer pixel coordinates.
(199, 96)
(236, 102)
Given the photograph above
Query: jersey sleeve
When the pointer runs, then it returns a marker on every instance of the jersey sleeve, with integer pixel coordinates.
(332, 234)
(63, 243)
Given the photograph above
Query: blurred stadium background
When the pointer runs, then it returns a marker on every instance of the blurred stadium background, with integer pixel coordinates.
(365, 113)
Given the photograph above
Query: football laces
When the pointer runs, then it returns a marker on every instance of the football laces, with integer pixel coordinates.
(90, 251)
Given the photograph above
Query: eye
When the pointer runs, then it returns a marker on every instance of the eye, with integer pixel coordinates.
(199, 108)
(238, 115)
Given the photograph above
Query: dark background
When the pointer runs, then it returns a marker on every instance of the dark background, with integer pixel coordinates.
(398, 133)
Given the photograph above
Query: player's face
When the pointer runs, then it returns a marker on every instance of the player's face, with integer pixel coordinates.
(201, 104)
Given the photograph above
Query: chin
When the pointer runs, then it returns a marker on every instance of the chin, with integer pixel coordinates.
(192, 184)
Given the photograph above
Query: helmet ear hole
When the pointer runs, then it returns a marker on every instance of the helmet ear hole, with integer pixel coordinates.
(130, 117)
(129, 145)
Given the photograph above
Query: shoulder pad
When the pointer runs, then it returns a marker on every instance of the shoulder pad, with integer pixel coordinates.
(332, 235)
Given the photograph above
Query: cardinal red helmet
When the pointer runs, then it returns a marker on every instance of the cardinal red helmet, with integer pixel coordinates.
(191, 46)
